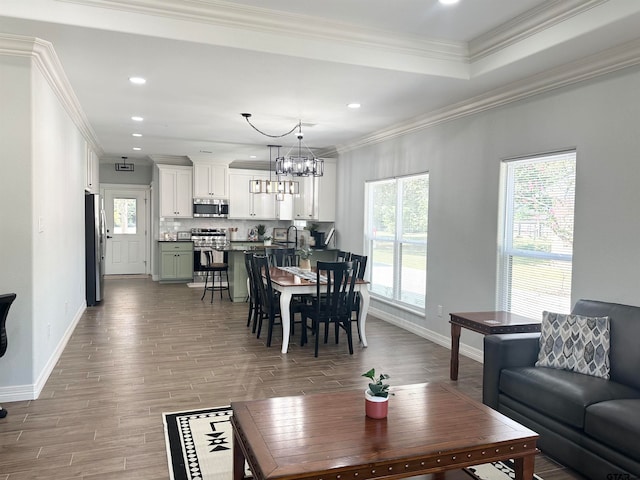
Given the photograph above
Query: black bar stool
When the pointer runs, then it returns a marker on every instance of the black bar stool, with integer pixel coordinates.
(212, 268)
(5, 303)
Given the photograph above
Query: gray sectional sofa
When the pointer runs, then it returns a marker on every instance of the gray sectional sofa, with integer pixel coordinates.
(587, 423)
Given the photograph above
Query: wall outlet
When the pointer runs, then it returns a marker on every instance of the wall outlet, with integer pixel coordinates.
(439, 310)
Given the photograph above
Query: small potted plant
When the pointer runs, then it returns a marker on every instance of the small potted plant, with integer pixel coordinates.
(305, 262)
(377, 395)
(261, 229)
(267, 240)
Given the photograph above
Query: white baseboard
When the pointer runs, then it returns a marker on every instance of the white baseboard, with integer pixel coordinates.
(17, 393)
(445, 341)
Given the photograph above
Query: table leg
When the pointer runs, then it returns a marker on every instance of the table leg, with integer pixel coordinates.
(455, 350)
(364, 307)
(524, 467)
(285, 301)
(238, 459)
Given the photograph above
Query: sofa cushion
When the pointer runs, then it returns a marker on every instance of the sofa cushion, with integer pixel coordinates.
(574, 342)
(561, 394)
(624, 356)
(617, 424)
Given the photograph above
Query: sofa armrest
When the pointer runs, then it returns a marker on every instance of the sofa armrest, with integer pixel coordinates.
(504, 351)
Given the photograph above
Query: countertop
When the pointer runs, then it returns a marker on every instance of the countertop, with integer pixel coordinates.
(175, 241)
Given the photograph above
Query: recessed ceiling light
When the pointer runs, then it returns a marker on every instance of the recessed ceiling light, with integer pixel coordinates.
(137, 149)
(252, 156)
(448, 2)
(136, 134)
(353, 105)
(137, 80)
(137, 119)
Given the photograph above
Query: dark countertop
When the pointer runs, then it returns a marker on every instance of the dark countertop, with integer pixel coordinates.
(174, 241)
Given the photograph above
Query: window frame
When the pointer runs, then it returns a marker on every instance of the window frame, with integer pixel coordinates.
(506, 250)
(397, 241)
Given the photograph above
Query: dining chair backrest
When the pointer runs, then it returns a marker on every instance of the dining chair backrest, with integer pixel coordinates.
(263, 283)
(335, 286)
(281, 257)
(360, 266)
(343, 256)
(248, 264)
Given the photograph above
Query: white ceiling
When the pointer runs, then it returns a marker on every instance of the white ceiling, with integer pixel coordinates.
(207, 61)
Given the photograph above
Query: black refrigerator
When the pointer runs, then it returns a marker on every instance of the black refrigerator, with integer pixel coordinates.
(94, 247)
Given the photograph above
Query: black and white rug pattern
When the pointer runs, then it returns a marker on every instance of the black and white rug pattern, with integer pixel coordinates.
(200, 442)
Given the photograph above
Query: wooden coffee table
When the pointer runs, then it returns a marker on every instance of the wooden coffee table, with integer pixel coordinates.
(431, 428)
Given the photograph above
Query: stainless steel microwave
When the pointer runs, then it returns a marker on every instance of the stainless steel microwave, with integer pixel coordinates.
(210, 207)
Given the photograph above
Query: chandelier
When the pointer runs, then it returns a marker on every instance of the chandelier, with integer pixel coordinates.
(278, 187)
(300, 166)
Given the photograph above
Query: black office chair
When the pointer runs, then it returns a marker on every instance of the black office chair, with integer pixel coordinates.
(212, 268)
(332, 304)
(281, 257)
(5, 303)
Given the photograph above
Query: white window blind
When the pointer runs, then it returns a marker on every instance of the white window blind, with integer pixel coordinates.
(537, 248)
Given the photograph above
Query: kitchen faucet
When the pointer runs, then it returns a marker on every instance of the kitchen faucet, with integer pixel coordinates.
(296, 237)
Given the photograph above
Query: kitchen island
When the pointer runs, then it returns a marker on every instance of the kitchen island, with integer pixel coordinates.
(238, 272)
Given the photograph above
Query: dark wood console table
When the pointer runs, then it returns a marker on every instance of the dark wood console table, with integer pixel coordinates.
(486, 323)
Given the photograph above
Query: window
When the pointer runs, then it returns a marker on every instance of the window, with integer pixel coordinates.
(396, 238)
(124, 215)
(537, 245)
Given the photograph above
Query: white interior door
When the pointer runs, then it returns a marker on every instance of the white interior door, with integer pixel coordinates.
(126, 216)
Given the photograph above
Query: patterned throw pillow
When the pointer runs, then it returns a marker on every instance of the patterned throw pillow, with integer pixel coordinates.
(576, 343)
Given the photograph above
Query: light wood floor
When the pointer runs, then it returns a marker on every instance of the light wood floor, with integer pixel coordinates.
(154, 348)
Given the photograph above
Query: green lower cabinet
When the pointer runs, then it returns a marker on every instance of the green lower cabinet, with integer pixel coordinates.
(176, 261)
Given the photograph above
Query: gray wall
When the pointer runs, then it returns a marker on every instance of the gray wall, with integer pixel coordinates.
(141, 174)
(42, 254)
(600, 118)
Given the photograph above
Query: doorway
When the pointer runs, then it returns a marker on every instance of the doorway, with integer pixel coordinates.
(127, 226)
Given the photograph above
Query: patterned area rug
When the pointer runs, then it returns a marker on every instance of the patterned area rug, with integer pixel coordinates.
(200, 442)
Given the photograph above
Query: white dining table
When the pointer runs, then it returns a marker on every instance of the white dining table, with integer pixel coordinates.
(288, 283)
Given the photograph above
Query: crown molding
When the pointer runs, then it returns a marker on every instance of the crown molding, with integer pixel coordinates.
(411, 53)
(528, 24)
(45, 58)
(593, 66)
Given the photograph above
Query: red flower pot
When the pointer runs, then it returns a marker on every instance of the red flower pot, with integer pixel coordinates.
(375, 407)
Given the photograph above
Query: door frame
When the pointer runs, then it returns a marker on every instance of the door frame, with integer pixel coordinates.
(124, 187)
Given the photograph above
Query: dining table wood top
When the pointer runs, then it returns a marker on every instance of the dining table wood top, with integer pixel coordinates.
(285, 278)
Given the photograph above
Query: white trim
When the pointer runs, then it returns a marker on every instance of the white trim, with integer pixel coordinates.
(442, 340)
(45, 58)
(17, 393)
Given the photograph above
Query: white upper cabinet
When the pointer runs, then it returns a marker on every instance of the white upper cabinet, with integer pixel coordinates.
(317, 198)
(210, 180)
(176, 191)
(244, 204)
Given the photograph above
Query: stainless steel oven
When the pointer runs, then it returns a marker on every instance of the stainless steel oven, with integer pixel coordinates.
(210, 208)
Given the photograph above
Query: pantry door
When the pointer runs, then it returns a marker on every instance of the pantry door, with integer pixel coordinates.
(126, 213)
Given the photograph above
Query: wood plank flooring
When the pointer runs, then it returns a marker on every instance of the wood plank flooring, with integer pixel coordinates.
(154, 348)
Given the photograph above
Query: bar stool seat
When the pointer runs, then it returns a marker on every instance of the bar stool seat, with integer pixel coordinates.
(211, 268)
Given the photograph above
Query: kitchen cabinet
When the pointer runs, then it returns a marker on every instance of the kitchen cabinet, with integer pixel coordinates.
(176, 261)
(92, 171)
(210, 180)
(176, 191)
(243, 203)
(317, 198)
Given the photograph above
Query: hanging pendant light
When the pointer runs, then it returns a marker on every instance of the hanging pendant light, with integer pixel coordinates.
(278, 187)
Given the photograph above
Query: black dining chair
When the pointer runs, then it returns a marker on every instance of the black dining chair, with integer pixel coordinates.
(343, 256)
(360, 267)
(254, 295)
(270, 300)
(5, 304)
(211, 268)
(281, 257)
(332, 304)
